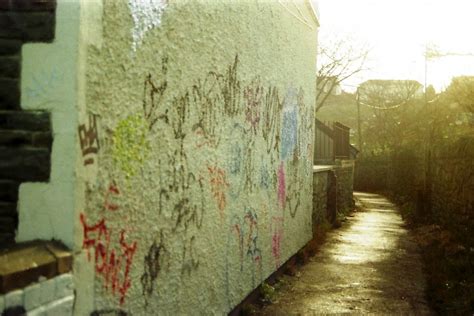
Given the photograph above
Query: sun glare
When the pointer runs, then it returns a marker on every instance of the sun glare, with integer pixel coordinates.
(397, 33)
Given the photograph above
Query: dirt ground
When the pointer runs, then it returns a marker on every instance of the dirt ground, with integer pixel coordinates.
(369, 266)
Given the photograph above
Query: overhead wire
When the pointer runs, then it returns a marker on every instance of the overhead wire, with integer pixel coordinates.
(302, 19)
(396, 105)
(382, 107)
(388, 107)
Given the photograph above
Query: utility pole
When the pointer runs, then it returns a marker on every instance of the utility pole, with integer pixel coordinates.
(430, 52)
(359, 131)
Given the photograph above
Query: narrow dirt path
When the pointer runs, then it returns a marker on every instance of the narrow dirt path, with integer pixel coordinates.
(370, 265)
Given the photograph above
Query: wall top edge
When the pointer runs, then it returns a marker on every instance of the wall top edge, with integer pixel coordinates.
(314, 8)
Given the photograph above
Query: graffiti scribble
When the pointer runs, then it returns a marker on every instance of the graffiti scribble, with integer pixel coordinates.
(110, 263)
(89, 139)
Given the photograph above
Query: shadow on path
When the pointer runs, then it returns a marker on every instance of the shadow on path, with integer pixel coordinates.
(370, 265)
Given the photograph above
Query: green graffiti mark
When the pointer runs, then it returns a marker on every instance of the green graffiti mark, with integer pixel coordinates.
(130, 146)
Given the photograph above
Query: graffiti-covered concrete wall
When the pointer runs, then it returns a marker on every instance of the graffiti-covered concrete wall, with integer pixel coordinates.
(196, 151)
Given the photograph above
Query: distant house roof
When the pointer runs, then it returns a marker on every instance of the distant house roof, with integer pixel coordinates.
(391, 82)
(391, 88)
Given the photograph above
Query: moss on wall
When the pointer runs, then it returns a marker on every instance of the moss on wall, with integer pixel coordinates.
(130, 145)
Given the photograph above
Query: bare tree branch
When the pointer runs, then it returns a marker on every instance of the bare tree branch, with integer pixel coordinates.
(339, 59)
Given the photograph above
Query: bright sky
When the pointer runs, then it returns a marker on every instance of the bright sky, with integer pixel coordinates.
(397, 31)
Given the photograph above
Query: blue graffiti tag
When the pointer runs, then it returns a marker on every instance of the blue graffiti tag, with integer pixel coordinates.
(289, 130)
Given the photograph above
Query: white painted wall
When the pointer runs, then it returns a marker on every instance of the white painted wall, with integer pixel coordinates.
(49, 82)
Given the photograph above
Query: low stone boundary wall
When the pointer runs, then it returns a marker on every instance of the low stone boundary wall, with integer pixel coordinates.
(332, 190)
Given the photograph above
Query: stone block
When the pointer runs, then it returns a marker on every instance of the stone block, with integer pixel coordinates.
(9, 94)
(7, 220)
(27, 26)
(10, 67)
(14, 298)
(8, 224)
(9, 47)
(7, 209)
(9, 190)
(61, 307)
(42, 139)
(28, 5)
(25, 164)
(26, 120)
(32, 298)
(7, 238)
(48, 291)
(64, 285)
(15, 138)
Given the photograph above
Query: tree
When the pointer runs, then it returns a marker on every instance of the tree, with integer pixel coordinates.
(387, 94)
(395, 109)
(339, 59)
(461, 92)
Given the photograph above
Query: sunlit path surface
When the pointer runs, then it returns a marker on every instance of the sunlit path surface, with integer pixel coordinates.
(370, 265)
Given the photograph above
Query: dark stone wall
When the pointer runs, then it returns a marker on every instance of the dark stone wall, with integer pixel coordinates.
(452, 190)
(345, 188)
(320, 184)
(25, 136)
(332, 193)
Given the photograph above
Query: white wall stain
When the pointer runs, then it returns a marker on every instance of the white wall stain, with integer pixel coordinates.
(146, 16)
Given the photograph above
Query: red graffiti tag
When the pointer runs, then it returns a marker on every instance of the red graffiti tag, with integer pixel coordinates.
(218, 183)
(246, 231)
(112, 264)
(112, 191)
(204, 140)
(281, 186)
(277, 237)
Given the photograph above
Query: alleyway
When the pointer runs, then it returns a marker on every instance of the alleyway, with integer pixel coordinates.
(370, 265)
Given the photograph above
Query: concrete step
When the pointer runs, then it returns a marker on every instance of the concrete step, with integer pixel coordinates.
(17, 138)
(25, 164)
(38, 121)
